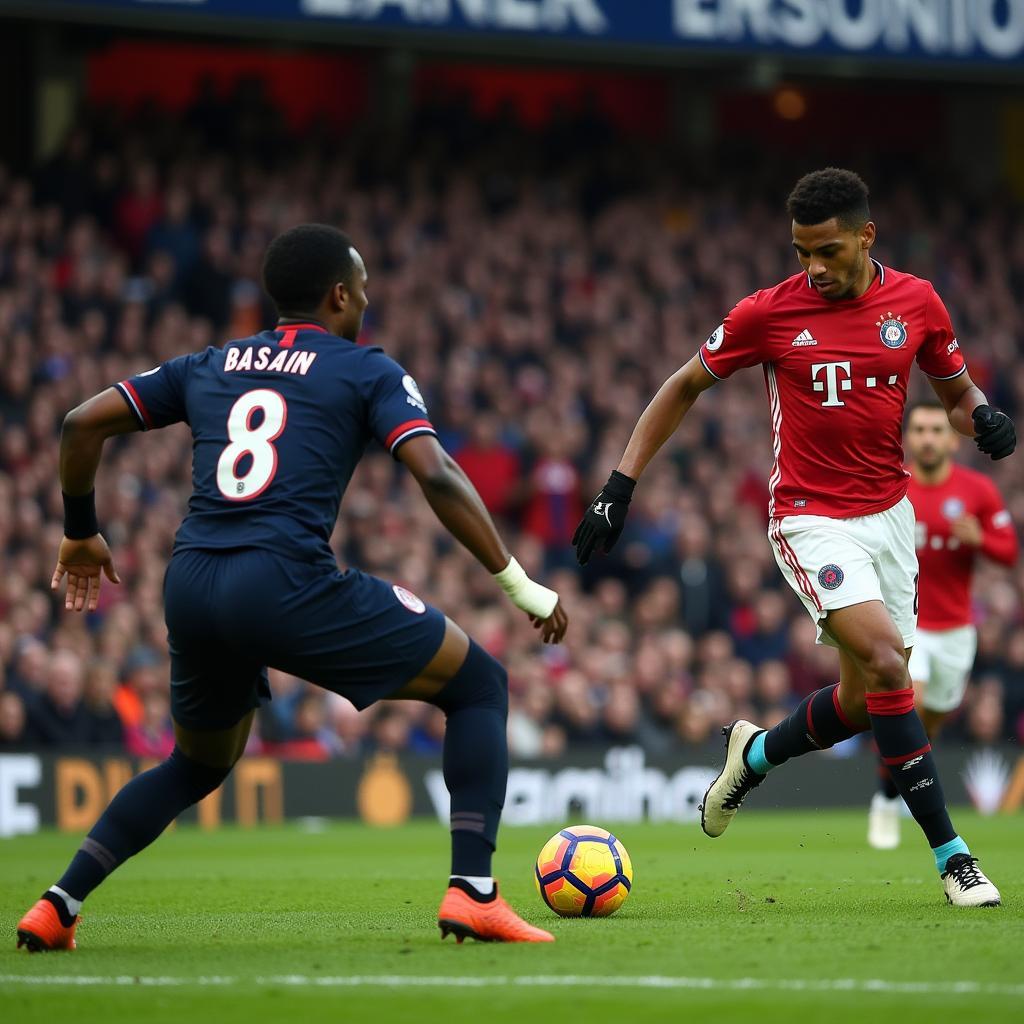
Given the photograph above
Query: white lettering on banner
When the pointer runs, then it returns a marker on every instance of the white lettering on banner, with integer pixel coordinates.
(624, 790)
(516, 15)
(955, 27)
(1001, 39)
(693, 19)
(855, 31)
(798, 25)
(921, 18)
(18, 771)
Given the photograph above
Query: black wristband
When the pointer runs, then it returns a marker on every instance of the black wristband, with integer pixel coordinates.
(620, 487)
(80, 516)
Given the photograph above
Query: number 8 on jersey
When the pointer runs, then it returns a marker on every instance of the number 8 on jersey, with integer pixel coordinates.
(256, 442)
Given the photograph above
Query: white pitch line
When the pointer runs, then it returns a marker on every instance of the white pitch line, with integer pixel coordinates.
(655, 981)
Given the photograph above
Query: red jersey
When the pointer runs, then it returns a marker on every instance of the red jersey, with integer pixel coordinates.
(944, 589)
(836, 374)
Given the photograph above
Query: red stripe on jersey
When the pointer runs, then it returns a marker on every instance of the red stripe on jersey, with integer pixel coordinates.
(789, 557)
(144, 412)
(799, 570)
(402, 428)
(290, 330)
(301, 327)
(891, 702)
(904, 758)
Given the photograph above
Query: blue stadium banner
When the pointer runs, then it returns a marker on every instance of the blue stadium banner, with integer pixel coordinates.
(979, 31)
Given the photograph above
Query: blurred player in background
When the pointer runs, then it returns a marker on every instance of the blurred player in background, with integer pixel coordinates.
(959, 515)
(279, 421)
(836, 342)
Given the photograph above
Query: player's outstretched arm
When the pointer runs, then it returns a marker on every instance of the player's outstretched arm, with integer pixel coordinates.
(457, 504)
(970, 415)
(84, 554)
(603, 521)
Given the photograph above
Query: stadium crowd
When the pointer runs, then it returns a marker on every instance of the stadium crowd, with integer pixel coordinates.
(539, 289)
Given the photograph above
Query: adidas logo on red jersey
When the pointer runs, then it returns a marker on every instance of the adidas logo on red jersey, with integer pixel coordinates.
(804, 338)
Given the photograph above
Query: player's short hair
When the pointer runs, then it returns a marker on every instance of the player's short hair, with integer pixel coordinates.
(302, 264)
(831, 192)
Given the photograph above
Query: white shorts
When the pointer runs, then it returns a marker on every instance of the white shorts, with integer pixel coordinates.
(942, 660)
(834, 563)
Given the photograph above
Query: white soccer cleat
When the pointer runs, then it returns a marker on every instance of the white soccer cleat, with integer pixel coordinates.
(966, 885)
(884, 822)
(726, 793)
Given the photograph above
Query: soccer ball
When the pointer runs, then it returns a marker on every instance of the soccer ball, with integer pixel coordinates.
(584, 871)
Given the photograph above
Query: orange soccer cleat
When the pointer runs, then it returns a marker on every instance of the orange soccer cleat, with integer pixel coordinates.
(40, 930)
(494, 921)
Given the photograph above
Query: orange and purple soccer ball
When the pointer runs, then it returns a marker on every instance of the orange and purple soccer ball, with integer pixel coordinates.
(584, 871)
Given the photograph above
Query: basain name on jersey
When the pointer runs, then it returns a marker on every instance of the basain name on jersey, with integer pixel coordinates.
(284, 361)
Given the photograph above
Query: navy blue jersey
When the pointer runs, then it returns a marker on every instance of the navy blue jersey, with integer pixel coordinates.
(279, 421)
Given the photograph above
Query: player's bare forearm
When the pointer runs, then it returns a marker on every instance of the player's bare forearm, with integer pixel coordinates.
(960, 397)
(455, 501)
(663, 415)
(85, 429)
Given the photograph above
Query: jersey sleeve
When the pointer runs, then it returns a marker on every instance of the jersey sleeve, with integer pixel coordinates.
(999, 537)
(157, 397)
(738, 342)
(397, 411)
(939, 355)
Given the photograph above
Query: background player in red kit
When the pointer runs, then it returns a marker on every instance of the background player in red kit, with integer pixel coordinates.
(959, 515)
(836, 343)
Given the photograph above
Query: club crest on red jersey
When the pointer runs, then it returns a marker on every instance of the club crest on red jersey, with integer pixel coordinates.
(830, 577)
(953, 508)
(892, 330)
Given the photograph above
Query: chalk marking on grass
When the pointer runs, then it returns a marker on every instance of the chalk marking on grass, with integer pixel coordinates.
(654, 981)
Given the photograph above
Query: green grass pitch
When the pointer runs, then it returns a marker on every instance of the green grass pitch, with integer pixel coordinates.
(789, 917)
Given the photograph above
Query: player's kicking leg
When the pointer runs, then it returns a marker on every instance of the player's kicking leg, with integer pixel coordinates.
(872, 655)
(471, 688)
(939, 667)
(135, 817)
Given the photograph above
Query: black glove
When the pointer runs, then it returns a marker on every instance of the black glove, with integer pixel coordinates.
(603, 521)
(993, 432)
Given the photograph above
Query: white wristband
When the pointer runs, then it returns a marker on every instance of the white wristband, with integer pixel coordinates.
(524, 593)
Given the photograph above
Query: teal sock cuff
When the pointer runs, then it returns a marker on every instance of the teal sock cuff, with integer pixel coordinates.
(946, 850)
(756, 761)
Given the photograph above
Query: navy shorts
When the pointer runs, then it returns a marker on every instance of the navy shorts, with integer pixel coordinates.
(230, 614)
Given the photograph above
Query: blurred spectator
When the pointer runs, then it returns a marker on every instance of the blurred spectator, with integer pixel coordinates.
(153, 736)
(98, 695)
(58, 716)
(492, 465)
(13, 722)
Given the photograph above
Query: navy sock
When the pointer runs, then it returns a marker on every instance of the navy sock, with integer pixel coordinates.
(475, 759)
(136, 816)
(905, 750)
(818, 723)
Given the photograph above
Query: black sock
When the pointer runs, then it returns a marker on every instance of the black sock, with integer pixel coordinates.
(473, 891)
(906, 752)
(136, 816)
(818, 723)
(66, 917)
(475, 759)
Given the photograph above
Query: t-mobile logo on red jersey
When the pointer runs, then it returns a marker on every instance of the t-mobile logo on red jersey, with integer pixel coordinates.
(838, 377)
(832, 383)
